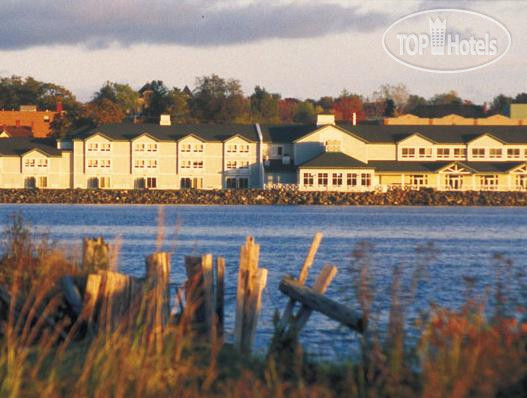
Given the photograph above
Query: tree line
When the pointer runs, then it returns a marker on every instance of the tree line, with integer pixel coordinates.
(215, 100)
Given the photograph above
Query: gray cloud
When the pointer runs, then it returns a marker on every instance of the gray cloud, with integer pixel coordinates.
(98, 23)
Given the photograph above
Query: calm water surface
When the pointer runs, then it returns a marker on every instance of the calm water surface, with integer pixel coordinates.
(464, 240)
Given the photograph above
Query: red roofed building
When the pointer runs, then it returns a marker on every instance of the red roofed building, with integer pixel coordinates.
(39, 122)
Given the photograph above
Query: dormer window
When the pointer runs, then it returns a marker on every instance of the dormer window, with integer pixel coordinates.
(332, 146)
(408, 153)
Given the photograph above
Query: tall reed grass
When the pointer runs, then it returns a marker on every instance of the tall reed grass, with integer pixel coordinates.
(459, 353)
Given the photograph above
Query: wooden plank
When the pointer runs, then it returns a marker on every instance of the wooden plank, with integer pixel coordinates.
(93, 284)
(322, 282)
(302, 277)
(220, 294)
(95, 255)
(194, 300)
(249, 254)
(158, 275)
(254, 305)
(208, 292)
(322, 304)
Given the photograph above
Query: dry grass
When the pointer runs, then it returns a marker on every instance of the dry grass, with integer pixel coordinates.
(459, 354)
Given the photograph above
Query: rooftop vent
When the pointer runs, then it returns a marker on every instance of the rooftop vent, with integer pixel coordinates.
(165, 120)
(325, 118)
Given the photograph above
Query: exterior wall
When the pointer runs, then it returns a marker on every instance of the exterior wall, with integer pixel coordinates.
(45, 171)
(381, 152)
(357, 183)
(280, 178)
(518, 118)
(519, 111)
(152, 159)
(313, 144)
(240, 161)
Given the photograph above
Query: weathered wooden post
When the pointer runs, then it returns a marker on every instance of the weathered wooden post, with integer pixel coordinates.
(251, 282)
(199, 293)
(95, 254)
(158, 276)
(220, 295)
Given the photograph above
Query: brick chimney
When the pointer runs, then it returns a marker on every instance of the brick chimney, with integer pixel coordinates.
(17, 123)
(59, 106)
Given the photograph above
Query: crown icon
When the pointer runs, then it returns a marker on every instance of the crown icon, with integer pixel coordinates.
(437, 35)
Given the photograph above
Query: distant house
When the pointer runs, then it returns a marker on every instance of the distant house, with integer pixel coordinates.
(438, 111)
(14, 131)
(28, 116)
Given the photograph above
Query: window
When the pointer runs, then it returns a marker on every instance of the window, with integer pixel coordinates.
(308, 180)
(322, 179)
(231, 183)
(151, 182)
(42, 163)
(93, 163)
(244, 148)
(197, 164)
(243, 183)
(478, 152)
(496, 153)
(42, 182)
(232, 148)
(443, 153)
(139, 147)
(244, 164)
(106, 147)
(425, 152)
(336, 179)
(93, 147)
(198, 148)
(365, 179)
(104, 182)
(454, 182)
(351, 179)
(460, 153)
(521, 181)
(151, 164)
(332, 145)
(488, 182)
(408, 153)
(231, 164)
(418, 180)
(279, 150)
(185, 164)
(106, 163)
(185, 147)
(186, 183)
(151, 148)
(30, 183)
(29, 163)
(46, 118)
(513, 153)
(139, 164)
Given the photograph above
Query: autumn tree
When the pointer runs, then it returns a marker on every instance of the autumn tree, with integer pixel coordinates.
(413, 102)
(264, 106)
(347, 105)
(448, 98)
(217, 100)
(396, 93)
(286, 109)
(305, 112)
(101, 112)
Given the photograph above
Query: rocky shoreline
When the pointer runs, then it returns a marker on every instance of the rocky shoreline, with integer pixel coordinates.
(423, 197)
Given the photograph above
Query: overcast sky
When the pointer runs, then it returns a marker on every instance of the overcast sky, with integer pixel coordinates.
(301, 48)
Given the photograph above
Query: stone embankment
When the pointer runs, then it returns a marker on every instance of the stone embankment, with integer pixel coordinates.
(424, 197)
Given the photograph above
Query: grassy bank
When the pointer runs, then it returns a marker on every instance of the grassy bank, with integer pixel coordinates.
(45, 353)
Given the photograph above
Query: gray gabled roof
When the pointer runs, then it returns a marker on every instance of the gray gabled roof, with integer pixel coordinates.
(337, 160)
(457, 134)
(393, 166)
(286, 133)
(17, 146)
(175, 132)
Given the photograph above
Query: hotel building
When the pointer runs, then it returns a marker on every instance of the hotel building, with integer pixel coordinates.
(448, 153)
